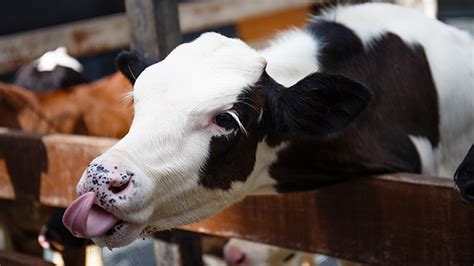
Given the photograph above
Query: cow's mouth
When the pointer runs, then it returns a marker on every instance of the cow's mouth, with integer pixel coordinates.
(115, 228)
(121, 234)
(87, 220)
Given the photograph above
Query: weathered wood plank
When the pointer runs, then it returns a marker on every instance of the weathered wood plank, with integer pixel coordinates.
(112, 32)
(45, 167)
(81, 38)
(205, 14)
(155, 26)
(395, 220)
(401, 219)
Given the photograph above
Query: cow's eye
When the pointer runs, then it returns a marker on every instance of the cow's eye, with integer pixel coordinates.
(225, 120)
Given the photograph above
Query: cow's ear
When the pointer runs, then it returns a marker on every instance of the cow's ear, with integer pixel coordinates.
(132, 63)
(318, 105)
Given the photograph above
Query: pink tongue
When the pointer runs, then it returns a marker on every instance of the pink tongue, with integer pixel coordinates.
(84, 219)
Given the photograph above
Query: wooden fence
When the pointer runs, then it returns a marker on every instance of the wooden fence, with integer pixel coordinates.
(401, 219)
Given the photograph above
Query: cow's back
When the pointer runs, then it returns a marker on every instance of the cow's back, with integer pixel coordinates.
(419, 72)
(449, 53)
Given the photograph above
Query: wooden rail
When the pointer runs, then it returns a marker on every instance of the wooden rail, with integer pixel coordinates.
(400, 219)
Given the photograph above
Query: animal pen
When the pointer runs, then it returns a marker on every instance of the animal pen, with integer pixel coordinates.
(400, 219)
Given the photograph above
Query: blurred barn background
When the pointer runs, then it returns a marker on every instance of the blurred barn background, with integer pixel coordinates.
(94, 31)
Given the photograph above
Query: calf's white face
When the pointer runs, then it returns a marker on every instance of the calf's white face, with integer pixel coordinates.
(181, 104)
(190, 151)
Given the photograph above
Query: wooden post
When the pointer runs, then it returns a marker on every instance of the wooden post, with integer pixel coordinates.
(154, 26)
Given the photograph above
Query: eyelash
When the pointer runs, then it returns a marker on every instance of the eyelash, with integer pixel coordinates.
(236, 120)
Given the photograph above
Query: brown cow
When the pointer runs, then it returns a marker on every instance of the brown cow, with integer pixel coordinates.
(97, 109)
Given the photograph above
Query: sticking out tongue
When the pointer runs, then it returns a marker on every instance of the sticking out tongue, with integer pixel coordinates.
(84, 219)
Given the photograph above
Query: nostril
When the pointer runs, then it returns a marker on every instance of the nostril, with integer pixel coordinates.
(117, 187)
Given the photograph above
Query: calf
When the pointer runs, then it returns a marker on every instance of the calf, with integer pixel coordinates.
(53, 70)
(362, 90)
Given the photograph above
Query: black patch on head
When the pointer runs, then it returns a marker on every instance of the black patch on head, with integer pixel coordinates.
(318, 105)
(339, 43)
(232, 157)
(132, 64)
(40, 81)
(224, 165)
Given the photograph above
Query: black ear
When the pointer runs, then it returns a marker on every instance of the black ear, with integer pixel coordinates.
(318, 105)
(132, 63)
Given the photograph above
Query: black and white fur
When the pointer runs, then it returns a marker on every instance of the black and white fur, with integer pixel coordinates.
(365, 89)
